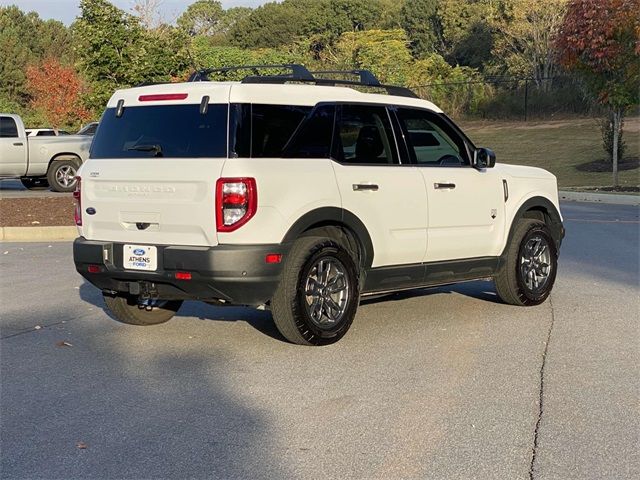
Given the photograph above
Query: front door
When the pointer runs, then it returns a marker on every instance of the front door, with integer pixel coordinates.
(13, 149)
(465, 205)
(389, 198)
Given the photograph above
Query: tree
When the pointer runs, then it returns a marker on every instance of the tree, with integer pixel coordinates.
(384, 52)
(276, 24)
(599, 39)
(56, 91)
(525, 39)
(270, 25)
(25, 38)
(113, 50)
(419, 19)
(202, 18)
(148, 11)
(467, 32)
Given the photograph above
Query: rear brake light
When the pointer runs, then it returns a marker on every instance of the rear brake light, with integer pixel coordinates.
(77, 211)
(162, 96)
(236, 202)
(183, 275)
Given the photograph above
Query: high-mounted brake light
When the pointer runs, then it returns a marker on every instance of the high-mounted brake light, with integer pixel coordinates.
(77, 211)
(236, 202)
(162, 96)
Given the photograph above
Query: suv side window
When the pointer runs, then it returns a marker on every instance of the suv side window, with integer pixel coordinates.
(263, 131)
(431, 140)
(313, 138)
(364, 136)
(8, 128)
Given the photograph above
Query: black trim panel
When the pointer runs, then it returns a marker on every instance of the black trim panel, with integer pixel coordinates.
(427, 274)
(334, 215)
(237, 274)
(555, 223)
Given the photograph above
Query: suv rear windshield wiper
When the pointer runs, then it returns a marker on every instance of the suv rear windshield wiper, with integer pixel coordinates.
(157, 149)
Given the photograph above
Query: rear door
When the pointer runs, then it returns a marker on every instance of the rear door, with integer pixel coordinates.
(465, 205)
(388, 197)
(13, 148)
(153, 168)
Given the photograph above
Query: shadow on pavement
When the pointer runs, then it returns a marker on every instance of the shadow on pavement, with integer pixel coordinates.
(146, 404)
(258, 319)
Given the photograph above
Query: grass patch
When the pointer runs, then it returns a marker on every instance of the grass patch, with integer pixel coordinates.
(564, 147)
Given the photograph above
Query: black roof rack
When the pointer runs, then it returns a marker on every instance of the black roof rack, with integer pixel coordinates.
(297, 71)
(300, 74)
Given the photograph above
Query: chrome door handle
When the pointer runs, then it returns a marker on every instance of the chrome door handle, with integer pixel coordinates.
(444, 185)
(359, 187)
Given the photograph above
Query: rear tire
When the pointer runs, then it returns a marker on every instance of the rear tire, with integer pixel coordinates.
(318, 295)
(530, 267)
(62, 175)
(128, 309)
(34, 183)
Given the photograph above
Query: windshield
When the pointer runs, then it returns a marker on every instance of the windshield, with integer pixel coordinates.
(172, 131)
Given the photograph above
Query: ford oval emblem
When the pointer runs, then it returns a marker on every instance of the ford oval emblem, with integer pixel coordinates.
(139, 251)
(91, 211)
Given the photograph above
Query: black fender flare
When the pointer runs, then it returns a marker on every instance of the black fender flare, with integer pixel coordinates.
(555, 220)
(334, 216)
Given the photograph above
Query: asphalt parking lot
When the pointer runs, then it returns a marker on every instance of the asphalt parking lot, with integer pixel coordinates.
(440, 384)
(14, 189)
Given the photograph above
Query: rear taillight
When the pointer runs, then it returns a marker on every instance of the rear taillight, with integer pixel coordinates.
(236, 202)
(77, 211)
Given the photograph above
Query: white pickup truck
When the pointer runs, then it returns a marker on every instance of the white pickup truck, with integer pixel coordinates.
(38, 161)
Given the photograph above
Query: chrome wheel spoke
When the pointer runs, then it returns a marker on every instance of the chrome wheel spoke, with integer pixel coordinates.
(336, 284)
(535, 263)
(311, 287)
(327, 292)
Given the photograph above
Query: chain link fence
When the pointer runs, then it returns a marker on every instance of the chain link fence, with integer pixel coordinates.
(512, 98)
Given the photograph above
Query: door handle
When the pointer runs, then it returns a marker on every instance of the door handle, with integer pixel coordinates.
(360, 187)
(18, 144)
(444, 186)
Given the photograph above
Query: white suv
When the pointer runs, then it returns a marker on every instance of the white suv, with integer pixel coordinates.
(300, 193)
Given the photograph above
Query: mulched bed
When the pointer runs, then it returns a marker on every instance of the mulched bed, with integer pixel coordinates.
(620, 189)
(36, 212)
(602, 166)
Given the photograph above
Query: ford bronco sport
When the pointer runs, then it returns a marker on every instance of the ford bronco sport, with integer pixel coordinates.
(301, 193)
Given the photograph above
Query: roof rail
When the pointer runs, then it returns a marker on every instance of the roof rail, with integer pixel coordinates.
(297, 71)
(300, 74)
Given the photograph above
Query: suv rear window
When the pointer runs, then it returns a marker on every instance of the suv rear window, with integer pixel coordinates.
(171, 131)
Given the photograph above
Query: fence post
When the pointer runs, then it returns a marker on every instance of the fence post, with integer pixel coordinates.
(526, 97)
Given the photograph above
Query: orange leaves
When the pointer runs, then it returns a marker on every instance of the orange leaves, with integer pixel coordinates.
(597, 34)
(56, 91)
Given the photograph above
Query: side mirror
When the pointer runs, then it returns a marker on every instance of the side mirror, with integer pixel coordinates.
(484, 158)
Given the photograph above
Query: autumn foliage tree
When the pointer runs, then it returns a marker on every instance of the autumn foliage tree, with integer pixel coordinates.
(600, 40)
(56, 91)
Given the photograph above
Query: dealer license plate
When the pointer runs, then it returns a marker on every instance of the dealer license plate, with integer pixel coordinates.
(140, 257)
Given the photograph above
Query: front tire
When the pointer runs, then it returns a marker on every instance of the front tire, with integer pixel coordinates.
(530, 267)
(62, 175)
(130, 310)
(319, 294)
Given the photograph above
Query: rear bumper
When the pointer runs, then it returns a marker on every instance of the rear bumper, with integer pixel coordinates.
(237, 274)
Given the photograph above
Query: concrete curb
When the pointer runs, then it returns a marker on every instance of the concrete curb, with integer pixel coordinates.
(609, 198)
(37, 234)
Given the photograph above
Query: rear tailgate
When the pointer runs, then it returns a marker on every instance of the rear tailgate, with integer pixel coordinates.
(152, 172)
